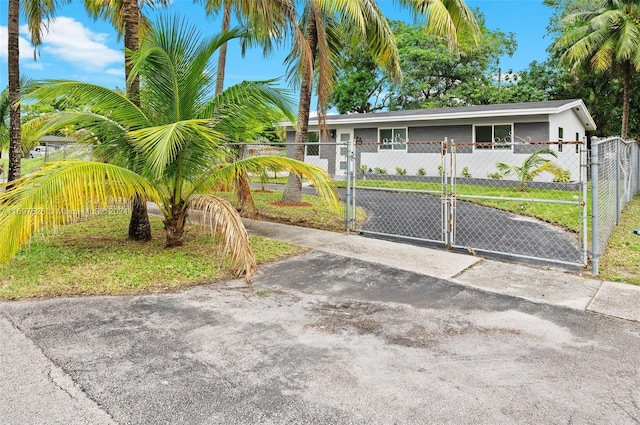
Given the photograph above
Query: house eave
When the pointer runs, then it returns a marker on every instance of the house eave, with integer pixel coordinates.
(577, 106)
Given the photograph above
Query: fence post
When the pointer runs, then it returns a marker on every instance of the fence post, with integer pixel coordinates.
(595, 250)
(350, 178)
(618, 197)
(584, 179)
(446, 235)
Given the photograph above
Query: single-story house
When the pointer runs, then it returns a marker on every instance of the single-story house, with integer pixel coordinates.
(481, 134)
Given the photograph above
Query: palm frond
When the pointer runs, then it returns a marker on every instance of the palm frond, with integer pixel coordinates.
(192, 140)
(318, 177)
(444, 17)
(60, 192)
(91, 97)
(224, 221)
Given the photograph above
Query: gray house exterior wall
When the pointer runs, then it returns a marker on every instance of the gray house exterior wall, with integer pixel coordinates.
(531, 122)
(534, 132)
(462, 133)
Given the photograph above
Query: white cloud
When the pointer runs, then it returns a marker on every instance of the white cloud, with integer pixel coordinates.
(26, 50)
(70, 41)
(117, 72)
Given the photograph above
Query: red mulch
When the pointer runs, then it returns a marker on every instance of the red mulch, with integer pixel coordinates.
(286, 204)
(263, 191)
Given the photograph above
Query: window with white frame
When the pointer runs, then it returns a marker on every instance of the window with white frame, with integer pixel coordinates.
(393, 138)
(495, 136)
(312, 147)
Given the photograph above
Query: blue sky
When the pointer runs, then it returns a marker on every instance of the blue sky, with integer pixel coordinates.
(79, 48)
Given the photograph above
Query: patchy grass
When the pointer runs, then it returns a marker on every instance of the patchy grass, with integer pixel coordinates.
(621, 259)
(94, 257)
(315, 215)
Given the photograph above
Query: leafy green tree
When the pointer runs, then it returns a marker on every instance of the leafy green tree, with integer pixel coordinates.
(531, 167)
(433, 74)
(361, 85)
(534, 84)
(603, 37)
(179, 133)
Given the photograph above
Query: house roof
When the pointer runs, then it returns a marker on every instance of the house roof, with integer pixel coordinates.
(477, 111)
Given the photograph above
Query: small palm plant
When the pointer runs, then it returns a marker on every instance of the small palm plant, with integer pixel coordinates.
(178, 136)
(531, 167)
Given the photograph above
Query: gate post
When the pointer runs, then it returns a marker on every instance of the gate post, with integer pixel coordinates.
(350, 201)
(595, 250)
(584, 179)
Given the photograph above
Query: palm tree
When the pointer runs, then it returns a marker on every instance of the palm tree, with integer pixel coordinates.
(602, 38)
(179, 136)
(531, 167)
(321, 20)
(268, 20)
(37, 12)
(127, 19)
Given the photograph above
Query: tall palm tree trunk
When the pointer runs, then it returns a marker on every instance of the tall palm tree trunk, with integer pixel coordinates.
(139, 226)
(222, 51)
(626, 98)
(292, 193)
(13, 50)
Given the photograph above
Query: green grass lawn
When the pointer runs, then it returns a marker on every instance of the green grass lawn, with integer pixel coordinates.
(94, 257)
(621, 259)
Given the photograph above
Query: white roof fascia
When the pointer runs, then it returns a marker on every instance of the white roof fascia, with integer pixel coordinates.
(577, 106)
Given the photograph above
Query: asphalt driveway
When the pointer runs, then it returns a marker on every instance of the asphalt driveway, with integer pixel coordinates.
(324, 339)
(418, 216)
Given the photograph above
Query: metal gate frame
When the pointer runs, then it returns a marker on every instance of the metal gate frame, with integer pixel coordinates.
(449, 196)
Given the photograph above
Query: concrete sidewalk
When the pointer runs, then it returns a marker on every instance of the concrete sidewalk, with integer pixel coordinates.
(547, 285)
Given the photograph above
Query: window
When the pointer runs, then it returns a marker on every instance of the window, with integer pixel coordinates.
(493, 136)
(560, 138)
(393, 138)
(312, 147)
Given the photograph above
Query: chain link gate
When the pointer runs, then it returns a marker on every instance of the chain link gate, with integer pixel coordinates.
(434, 197)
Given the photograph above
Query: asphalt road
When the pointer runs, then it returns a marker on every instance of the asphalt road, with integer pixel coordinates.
(324, 339)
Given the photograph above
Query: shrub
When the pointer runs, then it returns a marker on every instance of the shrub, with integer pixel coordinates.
(466, 173)
(379, 170)
(421, 171)
(561, 175)
(363, 168)
(496, 176)
(401, 171)
(440, 171)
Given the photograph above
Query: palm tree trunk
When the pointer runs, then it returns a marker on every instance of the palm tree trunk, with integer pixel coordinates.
(174, 225)
(626, 98)
(15, 148)
(292, 193)
(131, 42)
(222, 51)
(139, 226)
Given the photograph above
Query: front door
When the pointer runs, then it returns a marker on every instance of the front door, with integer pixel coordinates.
(344, 136)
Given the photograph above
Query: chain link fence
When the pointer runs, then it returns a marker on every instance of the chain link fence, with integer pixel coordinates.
(519, 199)
(524, 199)
(615, 175)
